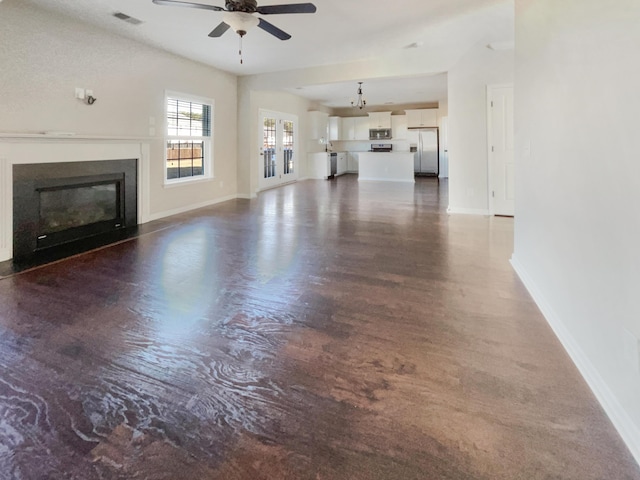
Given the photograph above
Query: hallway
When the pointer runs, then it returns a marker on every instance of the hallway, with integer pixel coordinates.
(327, 330)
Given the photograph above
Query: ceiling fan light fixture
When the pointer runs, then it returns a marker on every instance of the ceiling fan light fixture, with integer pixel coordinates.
(240, 22)
(238, 15)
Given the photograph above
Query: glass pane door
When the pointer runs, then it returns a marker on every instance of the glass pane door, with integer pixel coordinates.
(269, 136)
(278, 142)
(287, 146)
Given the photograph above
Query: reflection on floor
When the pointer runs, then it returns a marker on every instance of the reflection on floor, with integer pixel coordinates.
(327, 330)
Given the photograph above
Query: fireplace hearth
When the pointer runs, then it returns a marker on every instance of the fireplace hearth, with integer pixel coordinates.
(55, 205)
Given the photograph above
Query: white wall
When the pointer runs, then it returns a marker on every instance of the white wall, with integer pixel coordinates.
(43, 57)
(467, 84)
(577, 224)
(250, 100)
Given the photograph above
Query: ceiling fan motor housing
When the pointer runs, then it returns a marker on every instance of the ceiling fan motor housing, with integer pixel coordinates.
(248, 6)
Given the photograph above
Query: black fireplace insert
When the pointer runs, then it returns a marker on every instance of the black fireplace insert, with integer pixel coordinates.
(55, 204)
(73, 208)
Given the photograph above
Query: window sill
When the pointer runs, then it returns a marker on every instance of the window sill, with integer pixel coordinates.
(186, 181)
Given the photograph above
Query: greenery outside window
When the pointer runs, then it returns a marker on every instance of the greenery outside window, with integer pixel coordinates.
(189, 132)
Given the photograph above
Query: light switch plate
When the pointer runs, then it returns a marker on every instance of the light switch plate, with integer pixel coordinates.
(80, 93)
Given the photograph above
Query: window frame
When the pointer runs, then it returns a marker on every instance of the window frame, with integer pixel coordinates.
(208, 140)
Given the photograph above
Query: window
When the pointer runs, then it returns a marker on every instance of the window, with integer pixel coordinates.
(189, 129)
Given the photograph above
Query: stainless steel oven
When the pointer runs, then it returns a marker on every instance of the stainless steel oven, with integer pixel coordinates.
(381, 147)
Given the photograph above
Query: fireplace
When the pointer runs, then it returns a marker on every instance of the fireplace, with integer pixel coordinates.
(74, 208)
(62, 203)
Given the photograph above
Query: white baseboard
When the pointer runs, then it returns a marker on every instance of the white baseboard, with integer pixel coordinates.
(467, 211)
(368, 179)
(247, 196)
(622, 421)
(176, 211)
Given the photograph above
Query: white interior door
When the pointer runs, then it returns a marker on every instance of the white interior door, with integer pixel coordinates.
(501, 151)
(278, 149)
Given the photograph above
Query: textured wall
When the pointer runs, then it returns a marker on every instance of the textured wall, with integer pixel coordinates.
(45, 56)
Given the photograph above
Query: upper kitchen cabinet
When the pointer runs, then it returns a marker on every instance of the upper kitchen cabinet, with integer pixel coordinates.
(348, 128)
(362, 128)
(318, 125)
(335, 128)
(399, 127)
(355, 128)
(379, 119)
(427, 117)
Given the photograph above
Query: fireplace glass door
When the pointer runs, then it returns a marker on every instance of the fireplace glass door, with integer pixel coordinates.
(71, 210)
(72, 207)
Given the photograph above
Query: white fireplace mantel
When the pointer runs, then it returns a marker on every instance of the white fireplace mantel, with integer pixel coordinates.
(54, 148)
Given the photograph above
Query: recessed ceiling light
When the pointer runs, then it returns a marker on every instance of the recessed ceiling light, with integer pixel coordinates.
(127, 18)
(415, 45)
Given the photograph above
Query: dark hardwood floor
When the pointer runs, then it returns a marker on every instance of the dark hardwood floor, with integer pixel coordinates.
(327, 330)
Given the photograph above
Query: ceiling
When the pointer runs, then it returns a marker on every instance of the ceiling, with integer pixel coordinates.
(404, 47)
(380, 92)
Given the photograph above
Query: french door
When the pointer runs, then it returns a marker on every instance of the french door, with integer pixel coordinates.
(278, 149)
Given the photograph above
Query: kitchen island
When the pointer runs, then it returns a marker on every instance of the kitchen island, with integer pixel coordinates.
(386, 166)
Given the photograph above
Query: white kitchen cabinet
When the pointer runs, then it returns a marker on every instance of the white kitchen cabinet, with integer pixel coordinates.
(318, 125)
(352, 162)
(399, 127)
(319, 165)
(427, 117)
(348, 128)
(335, 127)
(342, 163)
(362, 128)
(355, 128)
(379, 119)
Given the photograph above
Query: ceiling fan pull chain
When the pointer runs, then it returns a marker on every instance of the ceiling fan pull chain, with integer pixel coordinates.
(240, 51)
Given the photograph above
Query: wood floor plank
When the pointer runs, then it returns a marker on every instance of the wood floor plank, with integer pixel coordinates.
(327, 330)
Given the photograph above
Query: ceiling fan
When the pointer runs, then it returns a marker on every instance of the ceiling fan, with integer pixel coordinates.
(239, 15)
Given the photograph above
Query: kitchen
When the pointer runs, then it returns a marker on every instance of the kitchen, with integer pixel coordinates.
(382, 146)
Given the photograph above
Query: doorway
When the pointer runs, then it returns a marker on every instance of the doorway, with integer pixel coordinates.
(278, 149)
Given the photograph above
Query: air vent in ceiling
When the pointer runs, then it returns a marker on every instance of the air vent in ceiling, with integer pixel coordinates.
(127, 18)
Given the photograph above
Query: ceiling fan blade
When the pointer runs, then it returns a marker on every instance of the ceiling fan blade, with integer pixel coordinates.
(175, 3)
(219, 30)
(273, 30)
(287, 8)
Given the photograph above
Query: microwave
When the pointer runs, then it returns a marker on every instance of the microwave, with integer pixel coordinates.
(379, 134)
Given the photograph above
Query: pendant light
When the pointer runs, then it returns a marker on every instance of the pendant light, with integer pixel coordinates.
(360, 102)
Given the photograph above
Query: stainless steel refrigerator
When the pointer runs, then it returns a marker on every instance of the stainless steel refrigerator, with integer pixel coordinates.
(424, 142)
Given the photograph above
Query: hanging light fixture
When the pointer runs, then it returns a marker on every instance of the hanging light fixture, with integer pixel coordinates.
(240, 22)
(360, 102)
